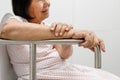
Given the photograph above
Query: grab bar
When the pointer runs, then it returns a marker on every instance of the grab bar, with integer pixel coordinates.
(97, 63)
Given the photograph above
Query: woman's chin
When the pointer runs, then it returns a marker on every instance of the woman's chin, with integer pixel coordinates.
(46, 17)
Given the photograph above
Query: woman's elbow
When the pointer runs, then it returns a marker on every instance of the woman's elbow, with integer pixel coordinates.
(65, 56)
(5, 31)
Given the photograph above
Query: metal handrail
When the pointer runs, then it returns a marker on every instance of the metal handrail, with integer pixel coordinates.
(61, 41)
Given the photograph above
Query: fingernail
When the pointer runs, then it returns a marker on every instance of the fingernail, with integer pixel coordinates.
(61, 34)
(56, 34)
(52, 28)
(104, 50)
(67, 29)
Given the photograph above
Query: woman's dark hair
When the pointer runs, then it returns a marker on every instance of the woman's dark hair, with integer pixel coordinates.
(20, 8)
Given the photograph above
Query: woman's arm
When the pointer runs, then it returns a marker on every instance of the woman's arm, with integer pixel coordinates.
(59, 29)
(17, 30)
(65, 51)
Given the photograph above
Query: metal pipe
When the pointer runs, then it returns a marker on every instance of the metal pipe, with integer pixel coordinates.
(32, 61)
(32, 44)
(97, 60)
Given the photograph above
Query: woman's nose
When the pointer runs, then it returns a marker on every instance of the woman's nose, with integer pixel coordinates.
(46, 3)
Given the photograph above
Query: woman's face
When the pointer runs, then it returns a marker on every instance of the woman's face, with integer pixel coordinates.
(39, 10)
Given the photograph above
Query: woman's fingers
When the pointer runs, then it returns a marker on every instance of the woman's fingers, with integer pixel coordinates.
(65, 28)
(92, 49)
(91, 45)
(60, 28)
(56, 27)
(69, 27)
(53, 26)
(102, 45)
(99, 42)
(89, 40)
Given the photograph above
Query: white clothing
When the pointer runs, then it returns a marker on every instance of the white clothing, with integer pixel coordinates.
(49, 65)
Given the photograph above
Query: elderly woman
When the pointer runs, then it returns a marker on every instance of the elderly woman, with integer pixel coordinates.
(27, 24)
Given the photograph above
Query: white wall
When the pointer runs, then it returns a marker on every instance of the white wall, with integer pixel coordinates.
(5, 7)
(101, 16)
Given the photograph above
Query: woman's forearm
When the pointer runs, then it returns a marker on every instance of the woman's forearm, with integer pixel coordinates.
(65, 51)
(29, 31)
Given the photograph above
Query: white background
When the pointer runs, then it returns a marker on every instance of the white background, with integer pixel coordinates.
(101, 16)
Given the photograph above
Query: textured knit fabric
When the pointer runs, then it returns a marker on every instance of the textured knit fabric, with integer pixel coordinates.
(49, 65)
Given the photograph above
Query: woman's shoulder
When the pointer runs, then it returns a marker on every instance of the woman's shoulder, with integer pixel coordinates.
(8, 16)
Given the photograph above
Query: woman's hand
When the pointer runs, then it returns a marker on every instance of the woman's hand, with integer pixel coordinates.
(101, 45)
(65, 51)
(91, 40)
(60, 28)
